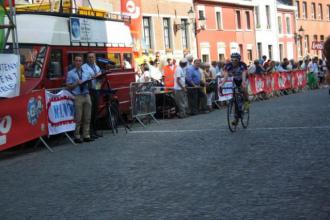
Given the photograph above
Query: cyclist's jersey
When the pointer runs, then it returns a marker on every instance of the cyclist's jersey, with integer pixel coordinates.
(236, 72)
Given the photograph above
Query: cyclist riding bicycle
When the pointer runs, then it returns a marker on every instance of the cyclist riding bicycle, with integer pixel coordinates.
(238, 70)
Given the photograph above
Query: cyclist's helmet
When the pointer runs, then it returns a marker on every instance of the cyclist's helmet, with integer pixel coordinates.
(235, 56)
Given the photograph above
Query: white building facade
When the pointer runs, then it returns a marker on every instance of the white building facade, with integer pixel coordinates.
(267, 41)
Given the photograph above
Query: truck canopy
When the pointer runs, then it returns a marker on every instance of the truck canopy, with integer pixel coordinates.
(57, 29)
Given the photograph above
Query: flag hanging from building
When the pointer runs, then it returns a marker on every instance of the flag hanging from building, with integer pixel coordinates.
(132, 8)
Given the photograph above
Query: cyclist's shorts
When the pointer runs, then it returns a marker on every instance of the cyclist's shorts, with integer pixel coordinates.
(238, 82)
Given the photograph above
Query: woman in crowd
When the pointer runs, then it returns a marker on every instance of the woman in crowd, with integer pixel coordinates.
(209, 85)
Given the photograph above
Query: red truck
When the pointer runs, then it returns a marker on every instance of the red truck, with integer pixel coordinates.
(48, 43)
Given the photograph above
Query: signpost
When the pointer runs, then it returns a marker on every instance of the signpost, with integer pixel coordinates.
(317, 45)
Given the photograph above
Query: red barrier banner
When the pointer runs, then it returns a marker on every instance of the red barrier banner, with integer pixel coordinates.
(301, 78)
(294, 80)
(257, 84)
(282, 81)
(287, 83)
(268, 83)
(276, 84)
(22, 119)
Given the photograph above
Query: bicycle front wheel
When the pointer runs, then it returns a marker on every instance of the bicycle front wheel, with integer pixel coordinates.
(245, 116)
(232, 119)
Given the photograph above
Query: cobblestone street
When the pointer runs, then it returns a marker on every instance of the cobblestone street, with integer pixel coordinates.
(192, 168)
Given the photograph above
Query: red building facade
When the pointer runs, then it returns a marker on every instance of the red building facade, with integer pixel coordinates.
(228, 28)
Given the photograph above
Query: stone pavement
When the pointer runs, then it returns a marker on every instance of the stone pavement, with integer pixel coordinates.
(185, 169)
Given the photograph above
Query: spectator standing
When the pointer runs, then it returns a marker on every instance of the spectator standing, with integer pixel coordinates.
(193, 81)
(94, 71)
(76, 82)
(322, 70)
(168, 74)
(313, 72)
(210, 85)
(180, 90)
(155, 74)
(190, 59)
(263, 60)
(213, 68)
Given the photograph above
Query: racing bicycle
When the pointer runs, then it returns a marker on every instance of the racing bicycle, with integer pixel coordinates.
(236, 110)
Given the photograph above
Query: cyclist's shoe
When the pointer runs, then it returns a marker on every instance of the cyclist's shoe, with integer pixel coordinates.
(234, 122)
(246, 105)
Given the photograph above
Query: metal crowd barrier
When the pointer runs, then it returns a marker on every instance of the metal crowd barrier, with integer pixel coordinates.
(143, 101)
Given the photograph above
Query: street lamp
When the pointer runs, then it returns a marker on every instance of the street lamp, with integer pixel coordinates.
(201, 21)
(298, 36)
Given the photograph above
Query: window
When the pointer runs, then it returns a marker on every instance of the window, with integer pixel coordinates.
(298, 9)
(219, 21)
(257, 16)
(304, 10)
(281, 51)
(128, 58)
(32, 58)
(167, 33)
(315, 37)
(249, 53)
(269, 26)
(313, 11)
(201, 14)
(205, 58)
(241, 51)
(238, 20)
(184, 33)
(221, 57)
(116, 58)
(259, 50)
(280, 29)
(270, 52)
(55, 64)
(306, 43)
(320, 12)
(322, 38)
(147, 32)
(288, 25)
(248, 22)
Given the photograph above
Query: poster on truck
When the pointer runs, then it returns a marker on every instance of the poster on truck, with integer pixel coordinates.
(60, 109)
(9, 75)
(22, 119)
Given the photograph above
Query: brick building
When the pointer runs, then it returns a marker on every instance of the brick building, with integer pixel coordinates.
(229, 28)
(166, 27)
(313, 21)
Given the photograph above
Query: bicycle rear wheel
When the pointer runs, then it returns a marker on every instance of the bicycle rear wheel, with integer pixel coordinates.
(231, 116)
(245, 117)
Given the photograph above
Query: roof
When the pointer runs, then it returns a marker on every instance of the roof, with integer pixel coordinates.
(55, 30)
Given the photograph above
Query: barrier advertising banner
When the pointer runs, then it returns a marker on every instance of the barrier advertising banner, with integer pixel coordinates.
(22, 119)
(276, 81)
(60, 109)
(9, 75)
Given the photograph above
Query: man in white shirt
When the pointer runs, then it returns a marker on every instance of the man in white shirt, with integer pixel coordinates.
(180, 91)
(155, 73)
(94, 71)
